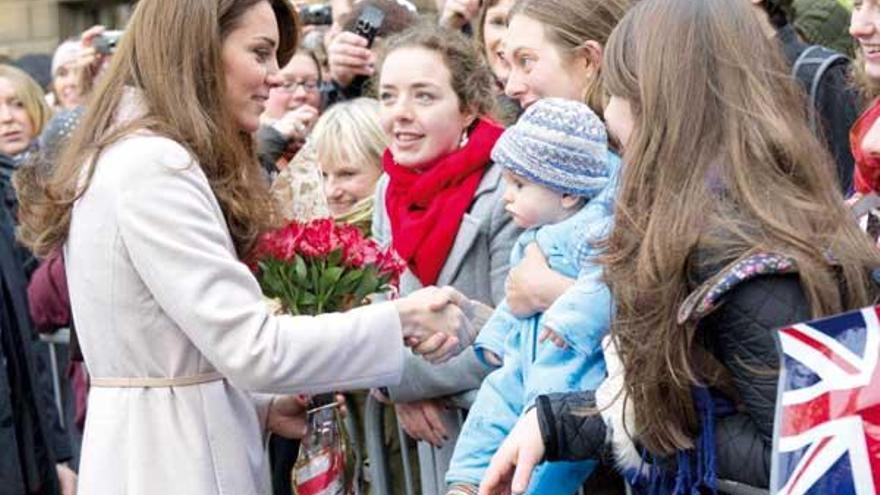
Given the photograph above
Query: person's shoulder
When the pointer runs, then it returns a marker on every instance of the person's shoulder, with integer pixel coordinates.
(142, 155)
(150, 147)
(491, 178)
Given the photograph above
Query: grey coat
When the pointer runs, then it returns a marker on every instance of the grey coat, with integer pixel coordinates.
(477, 266)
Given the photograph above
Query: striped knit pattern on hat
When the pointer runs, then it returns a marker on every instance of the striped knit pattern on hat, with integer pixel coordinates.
(559, 144)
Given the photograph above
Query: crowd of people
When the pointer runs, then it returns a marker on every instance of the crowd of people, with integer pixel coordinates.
(606, 208)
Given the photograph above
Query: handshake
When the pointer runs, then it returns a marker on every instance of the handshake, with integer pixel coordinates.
(439, 322)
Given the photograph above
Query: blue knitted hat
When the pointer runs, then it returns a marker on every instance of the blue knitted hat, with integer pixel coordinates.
(560, 144)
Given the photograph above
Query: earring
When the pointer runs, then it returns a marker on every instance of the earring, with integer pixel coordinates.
(464, 140)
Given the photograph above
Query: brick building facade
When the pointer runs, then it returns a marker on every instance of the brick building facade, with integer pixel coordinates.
(37, 26)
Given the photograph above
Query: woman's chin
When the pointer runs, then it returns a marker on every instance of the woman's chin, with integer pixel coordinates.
(338, 210)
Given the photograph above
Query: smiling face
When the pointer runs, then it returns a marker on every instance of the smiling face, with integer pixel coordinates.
(494, 30)
(299, 87)
(420, 112)
(865, 28)
(65, 85)
(538, 68)
(347, 183)
(250, 65)
(16, 128)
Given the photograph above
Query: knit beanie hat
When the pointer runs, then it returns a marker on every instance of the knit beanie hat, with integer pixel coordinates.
(66, 53)
(559, 144)
(824, 22)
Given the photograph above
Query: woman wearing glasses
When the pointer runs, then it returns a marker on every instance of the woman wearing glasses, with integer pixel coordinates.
(292, 109)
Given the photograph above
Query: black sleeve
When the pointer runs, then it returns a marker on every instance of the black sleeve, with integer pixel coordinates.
(569, 432)
(270, 146)
(837, 104)
(45, 396)
(741, 334)
(332, 92)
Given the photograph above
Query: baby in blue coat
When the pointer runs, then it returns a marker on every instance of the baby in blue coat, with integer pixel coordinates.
(560, 184)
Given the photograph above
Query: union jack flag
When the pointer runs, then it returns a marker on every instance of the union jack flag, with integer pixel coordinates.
(827, 437)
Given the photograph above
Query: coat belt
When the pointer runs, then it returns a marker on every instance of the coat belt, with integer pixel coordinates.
(146, 382)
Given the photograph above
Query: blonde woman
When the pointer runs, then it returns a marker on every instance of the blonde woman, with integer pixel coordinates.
(155, 201)
(336, 172)
(349, 142)
(23, 114)
(23, 111)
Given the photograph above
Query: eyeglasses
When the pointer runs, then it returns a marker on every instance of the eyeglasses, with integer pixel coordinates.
(290, 86)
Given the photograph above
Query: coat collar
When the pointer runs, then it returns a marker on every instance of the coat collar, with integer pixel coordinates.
(470, 228)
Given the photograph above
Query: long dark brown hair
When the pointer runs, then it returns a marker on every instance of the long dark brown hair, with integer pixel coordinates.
(721, 162)
(171, 54)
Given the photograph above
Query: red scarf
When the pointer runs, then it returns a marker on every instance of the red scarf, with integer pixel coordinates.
(426, 208)
(867, 173)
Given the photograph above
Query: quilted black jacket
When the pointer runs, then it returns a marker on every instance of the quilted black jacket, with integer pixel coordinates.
(740, 334)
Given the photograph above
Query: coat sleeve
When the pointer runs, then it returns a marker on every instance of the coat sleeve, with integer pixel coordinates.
(494, 333)
(175, 237)
(270, 147)
(57, 436)
(582, 314)
(741, 334)
(423, 380)
(569, 433)
(48, 300)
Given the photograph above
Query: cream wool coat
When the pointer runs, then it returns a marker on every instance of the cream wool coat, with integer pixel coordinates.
(157, 291)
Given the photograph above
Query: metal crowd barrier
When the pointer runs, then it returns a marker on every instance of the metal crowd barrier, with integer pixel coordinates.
(433, 462)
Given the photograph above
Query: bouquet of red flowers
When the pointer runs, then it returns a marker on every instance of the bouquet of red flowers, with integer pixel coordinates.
(320, 267)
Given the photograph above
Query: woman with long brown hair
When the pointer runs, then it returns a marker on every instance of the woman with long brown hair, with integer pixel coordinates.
(726, 229)
(155, 201)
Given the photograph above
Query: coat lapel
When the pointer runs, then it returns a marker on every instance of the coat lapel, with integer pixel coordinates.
(470, 227)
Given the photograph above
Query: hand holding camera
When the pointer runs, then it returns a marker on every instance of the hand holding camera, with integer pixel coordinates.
(349, 54)
(349, 57)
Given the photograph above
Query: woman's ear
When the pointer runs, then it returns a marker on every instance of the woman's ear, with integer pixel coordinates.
(591, 52)
(570, 201)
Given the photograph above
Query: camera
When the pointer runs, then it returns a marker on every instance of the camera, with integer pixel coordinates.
(316, 15)
(369, 23)
(106, 42)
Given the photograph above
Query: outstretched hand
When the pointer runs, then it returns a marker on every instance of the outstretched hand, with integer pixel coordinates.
(435, 322)
(512, 465)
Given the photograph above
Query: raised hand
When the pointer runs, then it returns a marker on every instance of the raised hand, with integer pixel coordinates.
(296, 123)
(457, 13)
(348, 57)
